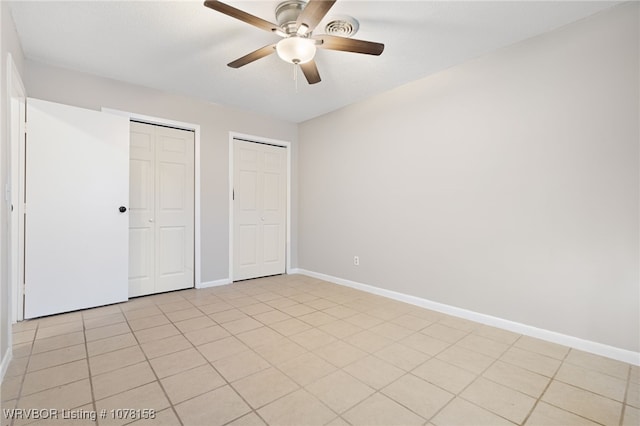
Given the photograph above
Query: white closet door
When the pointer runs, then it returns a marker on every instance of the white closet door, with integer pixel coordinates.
(162, 209)
(260, 183)
(77, 177)
(141, 210)
(174, 208)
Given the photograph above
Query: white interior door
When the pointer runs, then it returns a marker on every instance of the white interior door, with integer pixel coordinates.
(161, 233)
(77, 177)
(260, 186)
(141, 210)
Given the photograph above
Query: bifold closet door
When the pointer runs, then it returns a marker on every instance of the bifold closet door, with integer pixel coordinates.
(76, 184)
(260, 207)
(161, 231)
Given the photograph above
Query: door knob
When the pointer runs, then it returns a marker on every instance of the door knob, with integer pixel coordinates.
(122, 209)
(150, 220)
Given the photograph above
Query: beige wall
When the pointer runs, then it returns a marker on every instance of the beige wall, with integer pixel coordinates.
(78, 89)
(9, 45)
(507, 185)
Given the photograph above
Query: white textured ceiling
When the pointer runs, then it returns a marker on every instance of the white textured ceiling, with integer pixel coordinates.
(183, 47)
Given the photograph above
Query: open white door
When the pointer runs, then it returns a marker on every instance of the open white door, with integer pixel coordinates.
(76, 237)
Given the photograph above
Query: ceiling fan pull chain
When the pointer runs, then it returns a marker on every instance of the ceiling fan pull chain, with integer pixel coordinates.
(295, 76)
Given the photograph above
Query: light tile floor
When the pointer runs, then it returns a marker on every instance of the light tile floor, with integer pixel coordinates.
(292, 350)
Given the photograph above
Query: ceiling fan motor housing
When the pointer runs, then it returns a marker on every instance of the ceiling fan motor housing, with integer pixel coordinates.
(287, 14)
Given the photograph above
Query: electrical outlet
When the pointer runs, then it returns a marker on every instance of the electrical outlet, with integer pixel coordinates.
(356, 260)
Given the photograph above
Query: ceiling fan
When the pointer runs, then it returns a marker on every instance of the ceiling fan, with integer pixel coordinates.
(297, 20)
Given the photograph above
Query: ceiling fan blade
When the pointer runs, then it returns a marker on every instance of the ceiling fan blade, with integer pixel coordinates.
(310, 71)
(242, 16)
(253, 56)
(349, 44)
(313, 13)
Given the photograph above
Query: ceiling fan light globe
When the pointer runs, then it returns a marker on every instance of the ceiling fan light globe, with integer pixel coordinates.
(296, 50)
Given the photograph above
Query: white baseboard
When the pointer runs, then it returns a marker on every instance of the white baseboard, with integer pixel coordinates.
(516, 327)
(215, 283)
(6, 359)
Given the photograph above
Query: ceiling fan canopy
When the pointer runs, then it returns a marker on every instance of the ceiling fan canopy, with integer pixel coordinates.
(297, 20)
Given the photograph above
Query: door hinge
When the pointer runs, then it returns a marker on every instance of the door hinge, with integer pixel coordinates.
(233, 196)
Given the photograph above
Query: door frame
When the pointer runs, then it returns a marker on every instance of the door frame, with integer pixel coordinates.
(197, 257)
(15, 192)
(264, 141)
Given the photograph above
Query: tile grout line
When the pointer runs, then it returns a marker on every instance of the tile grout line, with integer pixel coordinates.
(152, 370)
(86, 349)
(26, 369)
(478, 375)
(624, 398)
(535, 404)
(300, 387)
(379, 391)
(481, 374)
(227, 383)
(449, 345)
(268, 326)
(571, 385)
(288, 337)
(52, 387)
(368, 353)
(410, 372)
